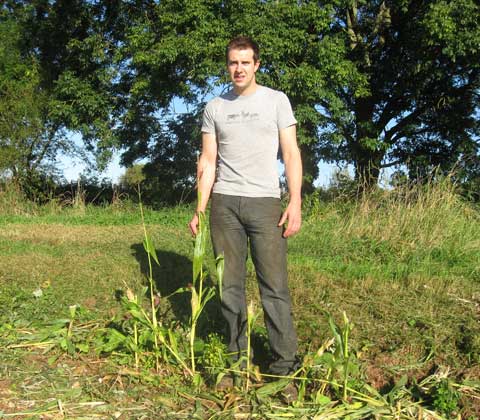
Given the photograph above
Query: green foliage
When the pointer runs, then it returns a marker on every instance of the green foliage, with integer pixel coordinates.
(200, 295)
(139, 333)
(337, 363)
(14, 201)
(418, 244)
(392, 234)
(213, 356)
(56, 75)
(445, 398)
(133, 177)
(28, 143)
(373, 84)
(72, 334)
(171, 150)
(272, 388)
(343, 359)
(143, 331)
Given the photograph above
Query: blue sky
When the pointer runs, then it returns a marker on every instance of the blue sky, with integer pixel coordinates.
(73, 168)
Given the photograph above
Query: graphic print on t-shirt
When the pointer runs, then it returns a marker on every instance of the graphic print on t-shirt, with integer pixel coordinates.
(246, 129)
(242, 117)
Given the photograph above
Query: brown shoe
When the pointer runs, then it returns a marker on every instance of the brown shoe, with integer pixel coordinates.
(289, 393)
(225, 384)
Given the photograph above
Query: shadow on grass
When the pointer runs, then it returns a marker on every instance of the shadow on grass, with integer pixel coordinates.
(262, 356)
(174, 272)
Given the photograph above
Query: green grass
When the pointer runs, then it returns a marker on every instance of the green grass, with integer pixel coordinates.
(404, 268)
(100, 216)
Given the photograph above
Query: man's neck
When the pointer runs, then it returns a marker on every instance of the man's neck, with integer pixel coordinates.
(247, 90)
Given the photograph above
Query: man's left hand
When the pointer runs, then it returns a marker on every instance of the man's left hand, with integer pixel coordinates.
(292, 214)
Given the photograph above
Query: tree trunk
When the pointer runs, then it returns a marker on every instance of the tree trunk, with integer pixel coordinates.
(310, 167)
(367, 153)
(367, 170)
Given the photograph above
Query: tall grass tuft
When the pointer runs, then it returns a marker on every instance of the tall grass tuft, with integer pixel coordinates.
(200, 295)
(416, 230)
(13, 200)
(418, 216)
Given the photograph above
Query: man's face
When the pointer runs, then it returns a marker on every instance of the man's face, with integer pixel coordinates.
(242, 68)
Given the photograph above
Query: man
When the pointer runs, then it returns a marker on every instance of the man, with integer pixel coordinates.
(243, 130)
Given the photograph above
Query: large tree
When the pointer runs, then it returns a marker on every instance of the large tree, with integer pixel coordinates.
(57, 73)
(171, 56)
(28, 143)
(177, 51)
(421, 62)
(373, 83)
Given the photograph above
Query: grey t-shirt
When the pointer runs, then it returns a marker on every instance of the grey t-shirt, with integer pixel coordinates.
(246, 130)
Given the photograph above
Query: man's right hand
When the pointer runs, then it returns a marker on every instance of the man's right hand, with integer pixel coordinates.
(193, 224)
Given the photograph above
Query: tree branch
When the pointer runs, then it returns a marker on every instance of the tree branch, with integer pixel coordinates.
(335, 121)
(390, 164)
(391, 109)
(46, 146)
(352, 25)
(390, 137)
(415, 133)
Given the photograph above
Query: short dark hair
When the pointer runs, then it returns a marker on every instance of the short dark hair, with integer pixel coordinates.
(243, 43)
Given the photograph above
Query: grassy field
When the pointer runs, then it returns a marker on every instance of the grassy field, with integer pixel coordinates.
(403, 268)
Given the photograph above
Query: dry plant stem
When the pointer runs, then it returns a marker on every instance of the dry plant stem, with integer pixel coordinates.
(325, 384)
(72, 309)
(192, 343)
(200, 299)
(135, 338)
(179, 360)
(250, 320)
(69, 330)
(39, 344)
(346, 355)
(150, 281)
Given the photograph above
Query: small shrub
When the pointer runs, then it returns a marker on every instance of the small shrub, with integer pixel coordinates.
(213, 358)
(445, 398)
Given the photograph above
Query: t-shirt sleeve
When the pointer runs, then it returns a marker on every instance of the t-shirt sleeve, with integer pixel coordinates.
(285, 117)
(208, 123)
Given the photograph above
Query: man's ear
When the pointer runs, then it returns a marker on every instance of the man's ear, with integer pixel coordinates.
(257, 65)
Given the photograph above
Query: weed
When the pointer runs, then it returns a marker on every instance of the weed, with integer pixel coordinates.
(72, 334)
(445, 397)
(252, 316)
(213, 357)
(341, 363)
(334, 364)
(13, 200)
(198, 299)
(403, 267)
(140, 328)
(142, 332)
(151, 255)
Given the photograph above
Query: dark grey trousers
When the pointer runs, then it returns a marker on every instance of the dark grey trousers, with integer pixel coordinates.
(236, 222)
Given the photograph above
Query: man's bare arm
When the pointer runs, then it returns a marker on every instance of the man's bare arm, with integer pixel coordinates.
(205, 176)
(293, 170)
